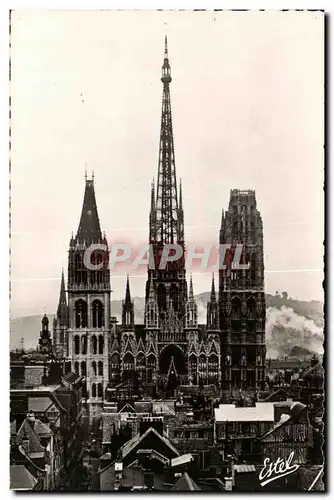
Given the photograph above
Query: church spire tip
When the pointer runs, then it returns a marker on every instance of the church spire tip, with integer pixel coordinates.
(166, 48)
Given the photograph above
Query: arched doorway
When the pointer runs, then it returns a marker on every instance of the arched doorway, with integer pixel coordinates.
(175, 352)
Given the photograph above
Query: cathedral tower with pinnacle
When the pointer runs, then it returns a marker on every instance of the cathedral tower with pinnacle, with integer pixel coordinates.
(89, 303)
(242, 297)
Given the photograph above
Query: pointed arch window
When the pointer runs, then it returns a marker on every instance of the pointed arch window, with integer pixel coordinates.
(76, 344)
(98, 314)
(94, 368)
(76, 367)
(101, 344)
(99, 391)
(94, 390)
(81, 314)
(100, 367)
(83, 368)
(84, 344)
(94, 344)
(236, 309)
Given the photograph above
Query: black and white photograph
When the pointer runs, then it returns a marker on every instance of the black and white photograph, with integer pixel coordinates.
(167, 234)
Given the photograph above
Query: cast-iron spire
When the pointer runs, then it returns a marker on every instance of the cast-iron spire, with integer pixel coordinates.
(167, 210)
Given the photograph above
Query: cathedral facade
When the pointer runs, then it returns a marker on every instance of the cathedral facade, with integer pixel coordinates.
(170, 348)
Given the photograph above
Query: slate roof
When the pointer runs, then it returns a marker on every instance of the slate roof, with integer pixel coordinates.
(21, 478)
(89, 227)
(185, 483)
(71, 378)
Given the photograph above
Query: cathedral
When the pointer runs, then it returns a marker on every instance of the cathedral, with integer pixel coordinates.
(170, 349)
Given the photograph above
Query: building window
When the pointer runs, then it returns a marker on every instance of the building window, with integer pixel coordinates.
(101, 344)
(83, 369)
(76, 368)
(97, 312)
(84, 344)
(94, 344)
(100, 390)
(80, 314)
(100, 368)
(94, 368)
(76, 344)
(94, 390)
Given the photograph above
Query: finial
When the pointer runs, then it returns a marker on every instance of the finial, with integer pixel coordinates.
(166, 48)
(93, 175)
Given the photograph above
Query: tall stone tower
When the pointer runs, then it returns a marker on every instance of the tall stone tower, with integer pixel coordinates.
(167, 286)
(242, 307)
(89, 303)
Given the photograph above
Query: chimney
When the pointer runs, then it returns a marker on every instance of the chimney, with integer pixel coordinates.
(156, 422)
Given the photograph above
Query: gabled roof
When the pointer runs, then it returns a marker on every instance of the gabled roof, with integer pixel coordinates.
(137, 440)
(27, 431)
(21, 478)
(127, 409)
(89, 227)
(185, 483)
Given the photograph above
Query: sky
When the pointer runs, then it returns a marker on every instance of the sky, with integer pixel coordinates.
(248, 113)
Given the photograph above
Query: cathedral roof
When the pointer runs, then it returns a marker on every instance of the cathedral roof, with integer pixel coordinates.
(89, 227)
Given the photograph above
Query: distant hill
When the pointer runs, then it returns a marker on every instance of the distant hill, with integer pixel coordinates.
(290, 324)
